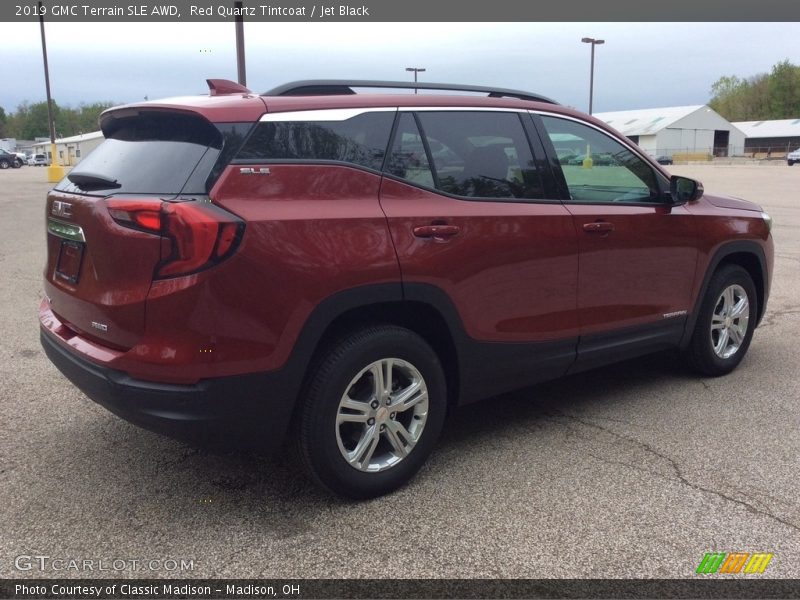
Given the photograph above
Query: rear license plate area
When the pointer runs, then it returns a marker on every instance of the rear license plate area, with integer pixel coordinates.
(70, 256)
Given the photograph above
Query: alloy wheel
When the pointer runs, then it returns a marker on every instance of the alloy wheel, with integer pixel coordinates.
(729, 321)
(381, 415)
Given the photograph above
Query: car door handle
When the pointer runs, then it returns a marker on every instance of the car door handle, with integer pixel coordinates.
(439, 232)
(598, 227)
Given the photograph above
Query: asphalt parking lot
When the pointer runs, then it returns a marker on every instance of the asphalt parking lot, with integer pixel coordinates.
(636, 470)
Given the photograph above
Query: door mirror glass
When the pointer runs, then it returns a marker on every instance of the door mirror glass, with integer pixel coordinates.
(684, 189)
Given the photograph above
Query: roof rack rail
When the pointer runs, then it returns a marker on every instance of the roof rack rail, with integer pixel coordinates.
(338, 87)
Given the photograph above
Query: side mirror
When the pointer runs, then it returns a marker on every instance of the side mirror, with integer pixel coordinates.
(684, 189)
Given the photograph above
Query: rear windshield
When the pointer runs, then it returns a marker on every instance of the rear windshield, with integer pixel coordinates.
(152, 153)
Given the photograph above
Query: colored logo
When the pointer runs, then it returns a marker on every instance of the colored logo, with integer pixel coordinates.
(734, 562)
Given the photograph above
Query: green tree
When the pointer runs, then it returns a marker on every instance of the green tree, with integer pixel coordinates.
(89, 115)
(16, 121)
(36, 121)
(30, 121)
(727, 96)
(784, 91)
(763, 96)
(757, 105)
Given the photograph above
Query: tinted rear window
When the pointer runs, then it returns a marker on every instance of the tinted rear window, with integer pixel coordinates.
(481, 154)
(153, 153)
(360, 140)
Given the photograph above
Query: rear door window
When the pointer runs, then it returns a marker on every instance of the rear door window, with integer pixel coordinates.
(482, 154)
(151, 153)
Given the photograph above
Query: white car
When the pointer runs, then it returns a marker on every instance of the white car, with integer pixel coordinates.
(38, 160)
(793, 157)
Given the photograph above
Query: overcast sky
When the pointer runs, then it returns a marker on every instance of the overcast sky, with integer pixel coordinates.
(641, 65)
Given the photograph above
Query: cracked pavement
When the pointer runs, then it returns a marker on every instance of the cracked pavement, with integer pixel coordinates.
(635, 470)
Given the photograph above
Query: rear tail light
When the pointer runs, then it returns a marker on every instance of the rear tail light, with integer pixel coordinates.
(144, 215)
(198, 235)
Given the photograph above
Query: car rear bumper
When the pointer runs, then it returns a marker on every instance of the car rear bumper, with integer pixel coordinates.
(242, 411)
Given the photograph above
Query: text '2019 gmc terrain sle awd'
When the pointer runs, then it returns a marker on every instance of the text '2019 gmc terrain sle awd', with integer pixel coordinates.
(347, 266)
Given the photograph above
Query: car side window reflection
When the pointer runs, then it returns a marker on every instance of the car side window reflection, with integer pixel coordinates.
(597, 168)
(481, 154)
(408, 159)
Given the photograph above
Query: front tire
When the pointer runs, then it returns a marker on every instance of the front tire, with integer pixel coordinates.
(374, 407)
(725, 324)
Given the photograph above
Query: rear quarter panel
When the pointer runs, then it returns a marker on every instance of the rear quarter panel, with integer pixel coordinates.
(312, 231)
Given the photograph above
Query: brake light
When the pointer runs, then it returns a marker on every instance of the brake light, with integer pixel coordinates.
(197, 235)
(137, 214)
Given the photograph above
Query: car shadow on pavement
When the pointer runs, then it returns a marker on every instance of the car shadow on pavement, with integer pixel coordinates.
(185, 480)
(582, 391)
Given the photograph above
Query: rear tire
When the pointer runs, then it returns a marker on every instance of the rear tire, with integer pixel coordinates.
(725, 324)
(4, 164)
(374, 407)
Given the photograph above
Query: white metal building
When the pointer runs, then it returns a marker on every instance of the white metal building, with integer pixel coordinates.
(71, 149)
(678, 129)
(772, 138)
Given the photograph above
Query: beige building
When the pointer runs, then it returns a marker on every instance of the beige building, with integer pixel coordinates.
(70, 150)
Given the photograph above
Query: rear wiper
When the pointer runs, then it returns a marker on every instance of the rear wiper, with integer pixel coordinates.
(91, 181)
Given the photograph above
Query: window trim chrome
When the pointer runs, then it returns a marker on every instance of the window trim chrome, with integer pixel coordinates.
(343, 114)
(321, 114)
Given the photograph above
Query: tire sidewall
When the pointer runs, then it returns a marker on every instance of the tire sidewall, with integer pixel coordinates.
(324, 455)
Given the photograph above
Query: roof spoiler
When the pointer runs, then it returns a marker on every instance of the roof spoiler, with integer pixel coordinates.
(222, 87)
(318, 87)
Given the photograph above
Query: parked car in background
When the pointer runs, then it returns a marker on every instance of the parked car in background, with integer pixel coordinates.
(793, 157)
(38, 160)
(664, 160)
(9, 160)
(346, 268)
(599, 159)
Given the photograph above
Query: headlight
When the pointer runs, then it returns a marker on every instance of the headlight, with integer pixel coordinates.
(767, 220)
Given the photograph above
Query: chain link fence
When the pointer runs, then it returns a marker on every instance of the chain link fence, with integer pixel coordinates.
(707, 154)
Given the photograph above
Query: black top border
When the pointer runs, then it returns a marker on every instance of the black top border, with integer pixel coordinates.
(497, 11)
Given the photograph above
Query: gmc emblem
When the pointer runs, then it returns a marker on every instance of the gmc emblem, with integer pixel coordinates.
(61, 209)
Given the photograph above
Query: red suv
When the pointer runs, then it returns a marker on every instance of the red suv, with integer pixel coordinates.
(348, 266)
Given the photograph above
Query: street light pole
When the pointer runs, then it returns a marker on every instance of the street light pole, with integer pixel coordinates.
(415, 70)
(241, 71)
(593, 42)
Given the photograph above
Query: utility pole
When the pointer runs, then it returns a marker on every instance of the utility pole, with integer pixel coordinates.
(55, 172)
(240, 66)
(415, 70)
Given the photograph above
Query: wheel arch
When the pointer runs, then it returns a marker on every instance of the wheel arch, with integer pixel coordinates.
(747, 254)
(386, 303)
